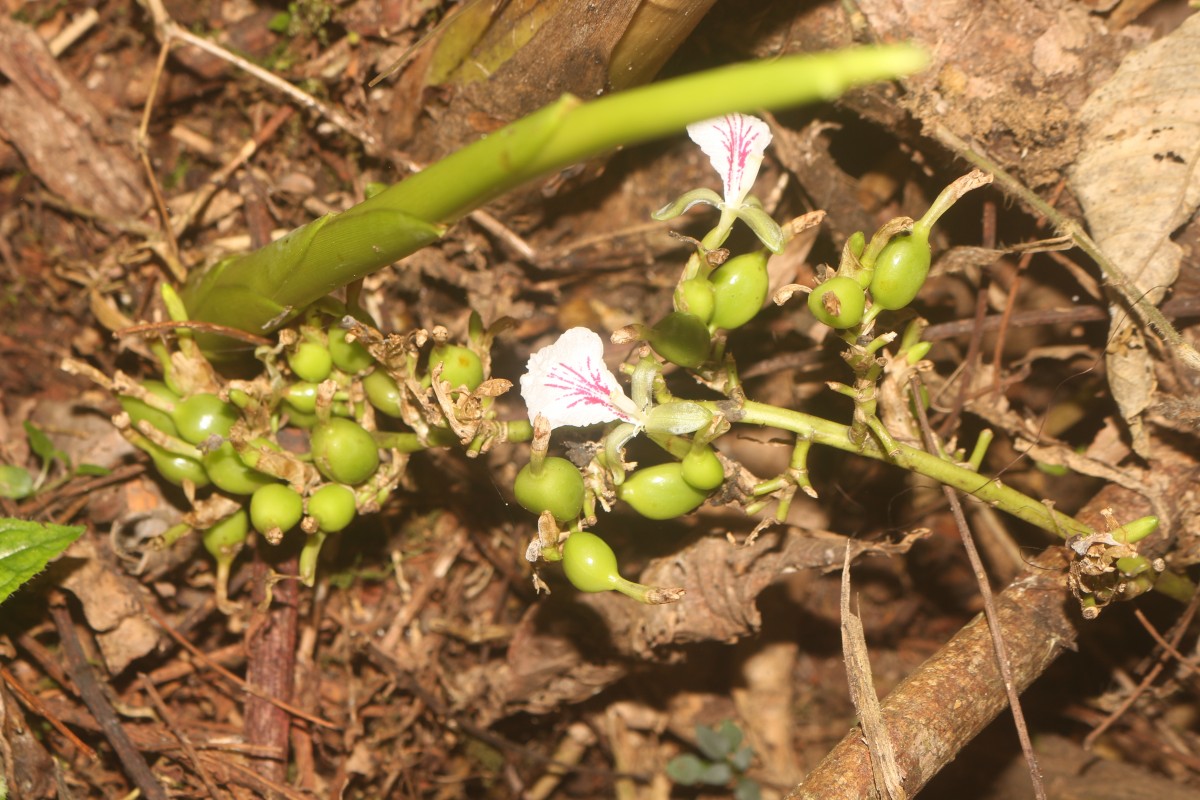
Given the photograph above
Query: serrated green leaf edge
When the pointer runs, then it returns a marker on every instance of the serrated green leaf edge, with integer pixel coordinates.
(26, 547)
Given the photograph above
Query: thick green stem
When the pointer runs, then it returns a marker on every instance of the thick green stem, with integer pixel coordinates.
(263, 289)
(832, 434)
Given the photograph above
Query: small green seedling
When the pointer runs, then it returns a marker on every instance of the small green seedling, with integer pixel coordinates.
(723, 761)
(17, 483)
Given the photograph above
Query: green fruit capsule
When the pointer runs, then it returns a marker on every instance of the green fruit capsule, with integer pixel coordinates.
(310, 361)
(589, 563)
(139, 410)
(203, 415)
(702, 469)
(660, 492)
(557, 488)
(695, 296)
(838, 302)
(225, 539)
(223, 542)
(900, 271)
(344, 451)
(177, 469)
(332, 506)
(681, 338)
(349, 357)
(460, 366)
(383, 393)
(740, 288)
(229, 472)
(302, 397)
(275, 507)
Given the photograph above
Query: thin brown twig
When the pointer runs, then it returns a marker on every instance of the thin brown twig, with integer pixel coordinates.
(989, 603)
(1011, 302)
(215, 667)
(1140, 307)
(243, 775)
(221, 176)
(93, 697)
(975, 343)
(147, 328)
(35, 705)
(1180, 627)
(1191, 663)
(184, 742)
(1176, 308)
(143, 148)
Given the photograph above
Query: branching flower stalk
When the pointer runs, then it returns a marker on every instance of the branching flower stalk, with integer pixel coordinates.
(567, 385)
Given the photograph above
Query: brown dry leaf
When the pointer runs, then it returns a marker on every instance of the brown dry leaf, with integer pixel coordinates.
(112, 607)
(1136, 178)
(60, 134)
(560, 652)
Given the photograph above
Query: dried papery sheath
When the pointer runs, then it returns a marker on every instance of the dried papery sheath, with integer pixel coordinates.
(568, 383)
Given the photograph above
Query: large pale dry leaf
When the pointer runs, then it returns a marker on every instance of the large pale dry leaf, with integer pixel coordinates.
(1136, 178)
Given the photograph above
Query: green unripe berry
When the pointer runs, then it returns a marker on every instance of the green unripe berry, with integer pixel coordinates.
(838, 302)
(344, 451)
(332, 506)
(740, 287)
(681, 338)
(702, 469)
(275, 506)
(225, 539)
(383, 393)
(302, 397)
(176, 468)
(349, 357)
(900, 271)
(695, 296)
(460, 366)
(311, 361)
(139, 410)
(557, 488)
(589, 563)
(229, 472)
(660, 492)
(203, 415)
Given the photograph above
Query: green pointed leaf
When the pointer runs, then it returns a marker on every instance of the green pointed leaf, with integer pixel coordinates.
(26, 547)
(15, 482)
(42, 446)
(92, 470)
(685, 769)
(685, 201)
(766, 229)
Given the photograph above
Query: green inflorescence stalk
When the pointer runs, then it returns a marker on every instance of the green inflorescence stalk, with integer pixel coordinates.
(981, 487)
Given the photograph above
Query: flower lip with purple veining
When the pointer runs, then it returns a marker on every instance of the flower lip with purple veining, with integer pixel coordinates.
(568, 383)
(734, 144)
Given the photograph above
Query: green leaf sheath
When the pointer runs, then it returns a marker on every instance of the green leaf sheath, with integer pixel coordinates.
(259, 290)
(26, 548)
(263, 289)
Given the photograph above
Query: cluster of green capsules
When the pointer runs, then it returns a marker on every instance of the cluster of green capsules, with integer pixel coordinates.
(318, 436)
